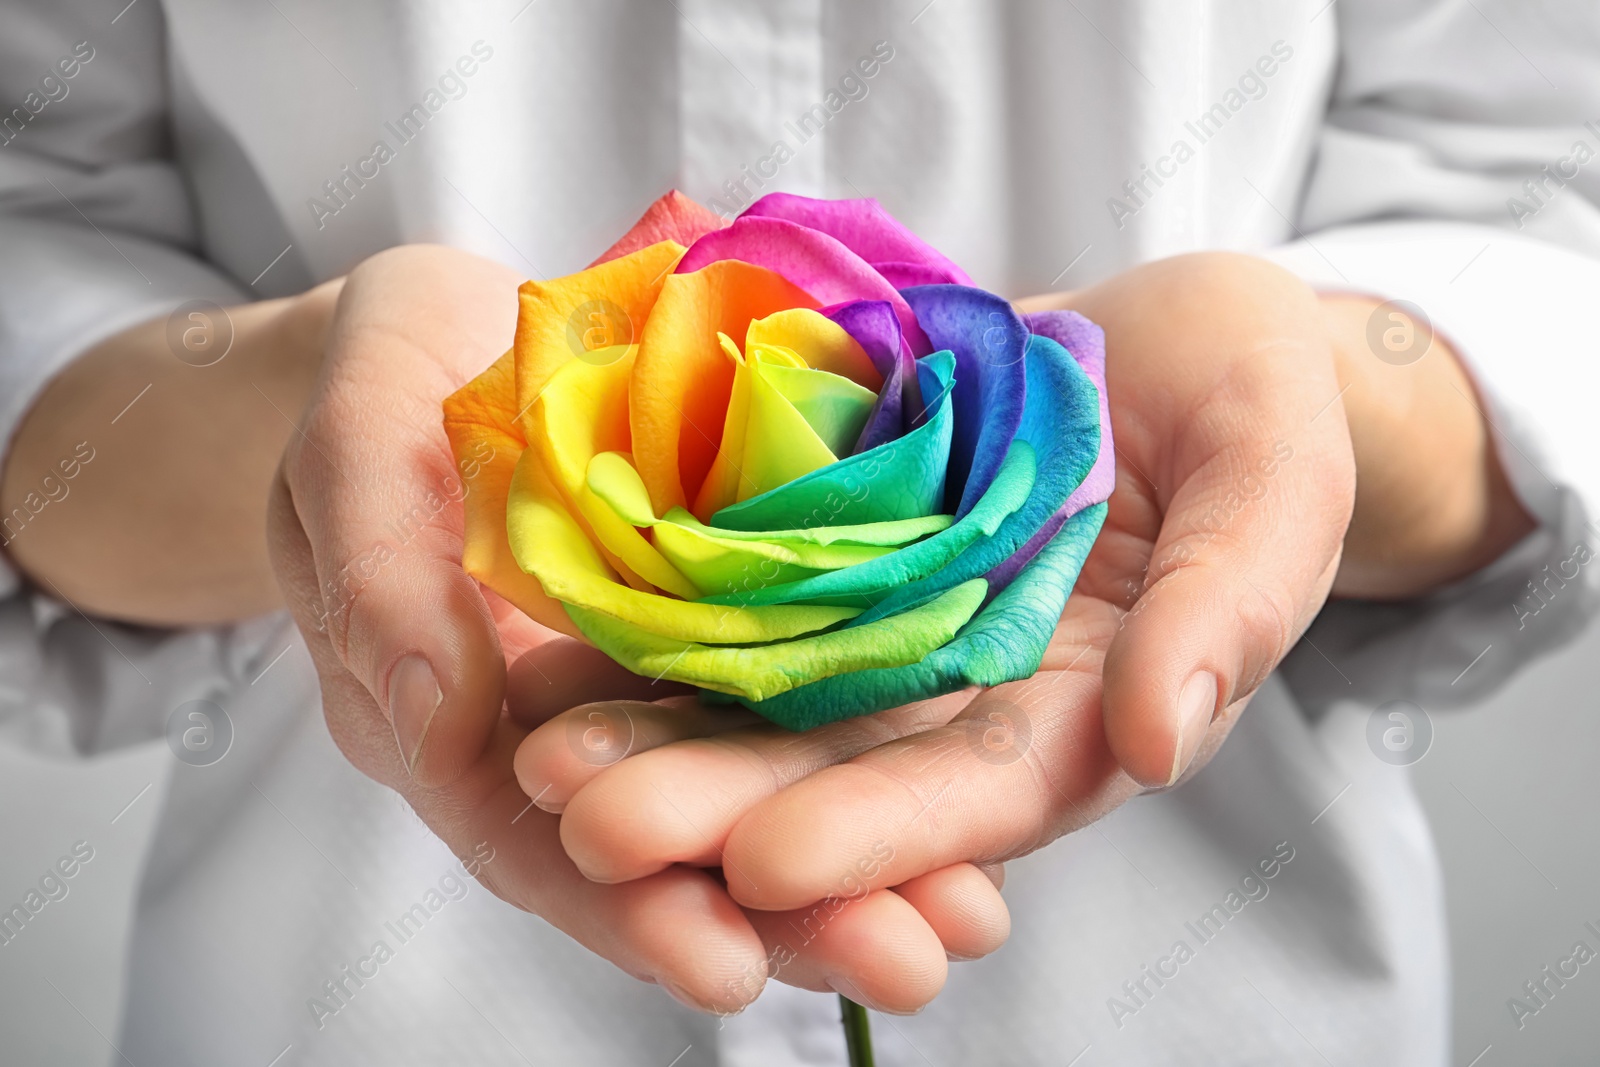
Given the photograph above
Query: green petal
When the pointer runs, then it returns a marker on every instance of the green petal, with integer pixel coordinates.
(1004, 642)
(901, 479)
(716, 560)
(765, 671)
(864, 585)
(836, 408)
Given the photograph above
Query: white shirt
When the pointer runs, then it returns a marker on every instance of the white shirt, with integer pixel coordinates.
(218, 150)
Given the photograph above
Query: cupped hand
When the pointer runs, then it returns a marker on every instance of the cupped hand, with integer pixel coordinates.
(365, 532)
(1234, 490)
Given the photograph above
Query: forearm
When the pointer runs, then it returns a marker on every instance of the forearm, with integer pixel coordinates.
(166, 523)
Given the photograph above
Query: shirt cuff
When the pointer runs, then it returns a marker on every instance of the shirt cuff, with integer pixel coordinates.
(63, 289)
(1517, 313)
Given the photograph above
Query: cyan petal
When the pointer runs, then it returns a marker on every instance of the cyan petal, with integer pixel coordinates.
(903, 479)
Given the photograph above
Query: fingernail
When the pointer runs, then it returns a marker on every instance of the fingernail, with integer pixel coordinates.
(1197, 703)
(677, 992)
(846, 988)
(414, 697)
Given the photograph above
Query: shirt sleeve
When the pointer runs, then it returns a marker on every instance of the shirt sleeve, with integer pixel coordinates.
(96, 230)
(1457, 172)
(96, 234)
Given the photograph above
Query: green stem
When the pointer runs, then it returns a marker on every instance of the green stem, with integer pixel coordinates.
(857, 1032)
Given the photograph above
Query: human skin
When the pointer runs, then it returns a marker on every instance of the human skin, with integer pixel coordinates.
(1213, 360)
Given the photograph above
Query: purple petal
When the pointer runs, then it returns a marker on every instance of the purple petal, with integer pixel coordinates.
(988, 340)
(808, 258)
(874, 326)
(864, 227)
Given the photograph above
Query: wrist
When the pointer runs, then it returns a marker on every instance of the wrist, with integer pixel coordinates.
(1433, 503)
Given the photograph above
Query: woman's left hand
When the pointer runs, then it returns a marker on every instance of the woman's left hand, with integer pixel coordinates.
(1227, 383)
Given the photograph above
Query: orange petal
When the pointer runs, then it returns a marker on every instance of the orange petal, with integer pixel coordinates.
(487, 443)
(673, 217)
(682, 378)
(561, 320)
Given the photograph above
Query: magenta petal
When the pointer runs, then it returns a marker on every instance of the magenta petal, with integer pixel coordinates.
(906, 275)
(867, 230)
(810, 259)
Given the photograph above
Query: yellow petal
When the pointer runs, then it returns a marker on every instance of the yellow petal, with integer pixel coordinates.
(820, 341)
(487, 442)
(583, 411)
(549, 543)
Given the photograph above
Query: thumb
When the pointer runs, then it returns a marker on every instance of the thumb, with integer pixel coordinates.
(1245, 557)
(375, 488)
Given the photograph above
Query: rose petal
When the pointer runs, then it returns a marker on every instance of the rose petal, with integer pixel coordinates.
(812, 260)
(673, 217)
(900, 480)
(568, 318)
(763, 672)
(1086, 343)
(548, 542)
(821, 342)
(486, 440)
(1004, 642)
(866, 229)
(870, 583)
(1062, 424)
(989, 340)
(874, 326)
(582, 412)
(682, 379)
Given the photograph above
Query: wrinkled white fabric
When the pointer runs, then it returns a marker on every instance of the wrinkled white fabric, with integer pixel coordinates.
(218, 150)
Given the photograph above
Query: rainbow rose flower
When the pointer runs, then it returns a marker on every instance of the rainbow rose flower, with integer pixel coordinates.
(799, 460)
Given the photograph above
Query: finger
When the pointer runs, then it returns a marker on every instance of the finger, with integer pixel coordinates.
(708, 956)
(566, 753)
(962, 905)
(1245, 558)
(1022, 764)
(676, 804)
(873, 948)
(377, 491)
(563, 673)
